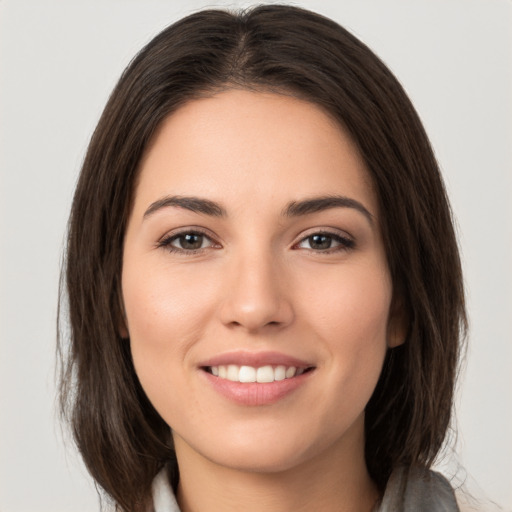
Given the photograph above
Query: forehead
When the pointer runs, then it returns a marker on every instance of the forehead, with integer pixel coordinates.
(243, 147)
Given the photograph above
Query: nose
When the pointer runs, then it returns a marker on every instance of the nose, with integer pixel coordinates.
(257, 295)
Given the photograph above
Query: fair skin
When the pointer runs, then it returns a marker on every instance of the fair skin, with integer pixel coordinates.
(247, 273)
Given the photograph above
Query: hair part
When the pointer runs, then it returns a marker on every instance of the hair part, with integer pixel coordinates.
(123, 440)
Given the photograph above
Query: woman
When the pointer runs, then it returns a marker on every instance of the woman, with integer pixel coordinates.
(265, 292)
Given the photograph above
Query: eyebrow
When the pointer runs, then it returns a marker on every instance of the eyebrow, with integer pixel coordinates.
(293, 209)
(194, 204)
(318, 204)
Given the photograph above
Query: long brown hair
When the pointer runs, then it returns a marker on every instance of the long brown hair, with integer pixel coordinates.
(123, 440)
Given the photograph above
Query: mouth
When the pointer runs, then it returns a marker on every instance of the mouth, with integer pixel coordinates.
(262, 374)
(256, 378)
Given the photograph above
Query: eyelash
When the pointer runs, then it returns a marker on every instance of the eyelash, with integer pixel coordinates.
(166, 242)
(345, 243)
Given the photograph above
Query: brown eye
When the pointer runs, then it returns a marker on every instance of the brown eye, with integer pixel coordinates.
(326, 242)
(320, 242)
(188, 241)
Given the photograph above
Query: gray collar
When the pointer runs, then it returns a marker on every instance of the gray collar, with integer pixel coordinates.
(417, 489)
(408, 490)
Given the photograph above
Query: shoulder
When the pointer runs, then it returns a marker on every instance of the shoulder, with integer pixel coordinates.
(418, 489)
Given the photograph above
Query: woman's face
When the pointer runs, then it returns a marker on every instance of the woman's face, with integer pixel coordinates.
(253, 252)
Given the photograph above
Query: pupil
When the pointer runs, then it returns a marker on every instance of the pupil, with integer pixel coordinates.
(320, 241)
(191, 241)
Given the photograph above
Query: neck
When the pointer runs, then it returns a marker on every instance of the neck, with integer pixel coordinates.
(336, 480)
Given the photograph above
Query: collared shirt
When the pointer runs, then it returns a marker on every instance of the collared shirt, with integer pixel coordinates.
(408, 490)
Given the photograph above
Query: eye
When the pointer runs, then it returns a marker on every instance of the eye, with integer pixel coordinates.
(326, 242)
(187, 241)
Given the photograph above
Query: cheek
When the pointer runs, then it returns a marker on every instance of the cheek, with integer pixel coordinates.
(162, 303)
(166, 314)
(351, 304)
(353, 327)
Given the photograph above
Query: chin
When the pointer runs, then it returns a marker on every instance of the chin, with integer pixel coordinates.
(274, 450)
(260, 460)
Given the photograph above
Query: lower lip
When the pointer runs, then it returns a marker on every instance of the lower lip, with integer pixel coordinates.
(256, 393)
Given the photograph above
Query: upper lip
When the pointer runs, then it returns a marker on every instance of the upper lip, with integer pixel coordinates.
(256, 359)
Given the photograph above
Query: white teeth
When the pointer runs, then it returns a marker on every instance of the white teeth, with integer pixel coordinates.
(262, 374)
(280, 373)
(290, 372)
(247, 374)
(233, 371)
(265, 374)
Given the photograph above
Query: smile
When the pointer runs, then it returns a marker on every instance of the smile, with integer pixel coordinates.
(256, 378)
(262, 374)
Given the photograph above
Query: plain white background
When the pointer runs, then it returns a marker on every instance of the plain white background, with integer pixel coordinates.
(58, 62)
